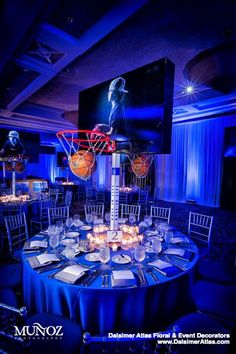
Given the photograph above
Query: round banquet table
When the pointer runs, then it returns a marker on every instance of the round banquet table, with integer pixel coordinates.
(101, 310)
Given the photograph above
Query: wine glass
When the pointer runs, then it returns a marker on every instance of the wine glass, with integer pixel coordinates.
(148, 220)
(104, 255)
(139, 255)
(107, 217)
(89, 218)
(132, 219)
(76, 219)
(59, 226)
(168, 237)
(54, 241)
(51, 230)
(70, 253)
(156, 245)
(69, 223)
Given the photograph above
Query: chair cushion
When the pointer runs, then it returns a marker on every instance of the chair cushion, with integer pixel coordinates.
(216, 272)
(8, 297)
(199, 323)
(10, 275)
(69, 343)
(216, 299)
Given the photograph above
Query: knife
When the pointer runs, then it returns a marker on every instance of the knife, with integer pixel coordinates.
(92, 278)
(50, 267)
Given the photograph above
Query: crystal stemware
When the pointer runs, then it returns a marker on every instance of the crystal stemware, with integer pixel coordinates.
(156, 245)
(132, 219)
(54, 241)
(107, 217)
(168, 236)
(70, 253)
(104, 255)
(69, 223)
(89, 218)
(139, 255)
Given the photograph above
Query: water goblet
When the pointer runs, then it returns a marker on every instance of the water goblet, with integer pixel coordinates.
(76, 220)
(156, 245)
(148, 220)
(107, 217)
(59, 226)
(69, 223)
(54, 241)
(89, 218)
(132, 219)
(168, 237)
(70, 253)
(51, 230)
(139, 255)
(104, 255)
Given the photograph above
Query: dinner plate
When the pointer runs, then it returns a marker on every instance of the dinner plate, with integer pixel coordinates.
(85, 227)
(72, 234)
(86, 251)
(67, 241)
(92, 257)
(77, 251)
(121, 259)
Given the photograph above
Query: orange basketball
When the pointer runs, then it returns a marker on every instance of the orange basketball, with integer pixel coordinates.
(140, 166)
(82, 164)
(19, 167)
(8, 166)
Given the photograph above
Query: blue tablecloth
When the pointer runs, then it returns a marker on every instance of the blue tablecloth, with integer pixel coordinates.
(102, 310)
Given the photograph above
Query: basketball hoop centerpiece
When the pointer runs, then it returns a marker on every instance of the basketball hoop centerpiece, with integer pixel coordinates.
(82, 148)
(140, 164)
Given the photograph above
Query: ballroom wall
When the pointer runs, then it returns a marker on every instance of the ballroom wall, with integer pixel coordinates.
(192, 171)
(194, 168)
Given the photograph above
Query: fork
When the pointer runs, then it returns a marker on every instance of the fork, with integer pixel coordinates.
(153, 275)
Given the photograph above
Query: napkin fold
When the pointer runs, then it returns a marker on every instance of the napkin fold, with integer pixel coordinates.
(165, 268)
(42, 260)
(123, 278)
(35, 245)
(70, 274)
(180, 253)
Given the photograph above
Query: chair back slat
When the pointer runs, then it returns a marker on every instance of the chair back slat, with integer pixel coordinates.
(97, 209)
(160, 213)
(57, 213)
(17, 231)
(200, 226)
(127, 209)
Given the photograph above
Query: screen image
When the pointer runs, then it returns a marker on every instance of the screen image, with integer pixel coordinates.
(230, 142)
(62, 159)
(16, 142)
(134, 108)
(39, 186)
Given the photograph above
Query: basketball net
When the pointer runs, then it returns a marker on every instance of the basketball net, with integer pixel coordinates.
(140, 164)
(82, 148)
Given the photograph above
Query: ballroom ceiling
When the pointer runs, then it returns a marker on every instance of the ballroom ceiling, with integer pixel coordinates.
(53, 49)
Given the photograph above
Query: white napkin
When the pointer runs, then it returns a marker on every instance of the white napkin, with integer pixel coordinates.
(47, 257)
(122, 274)
(38, 243)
